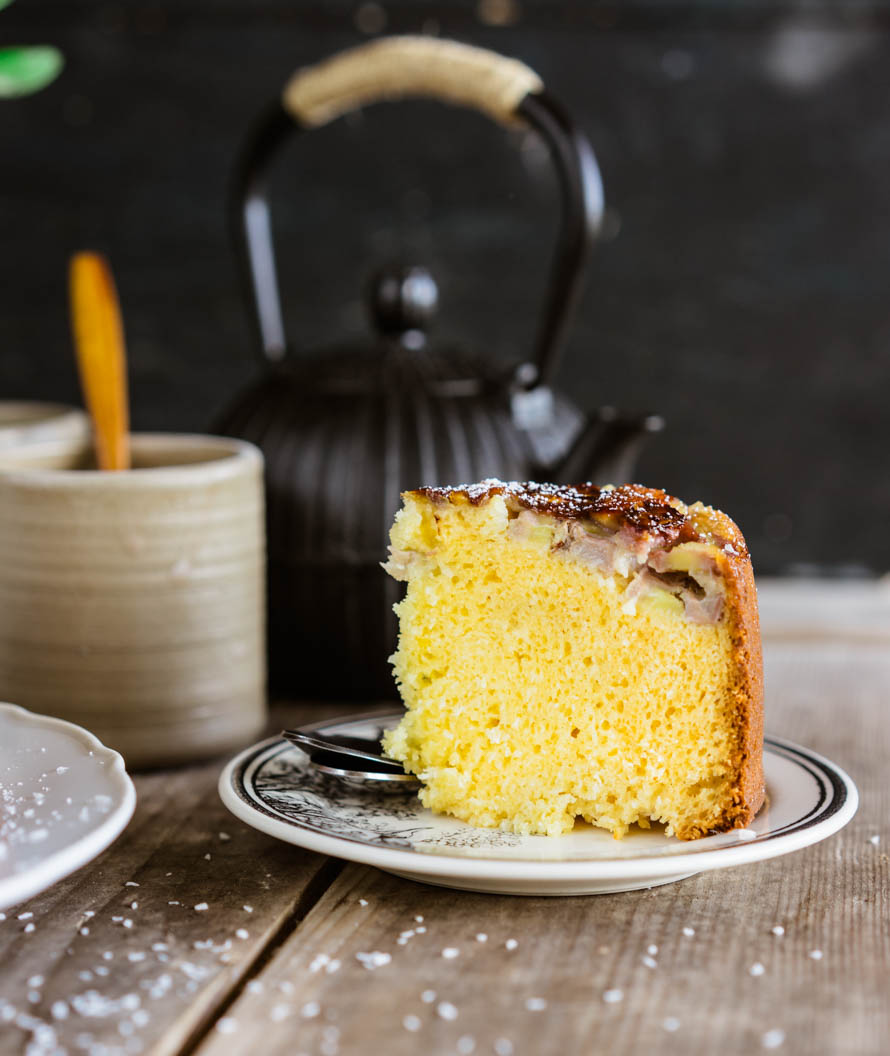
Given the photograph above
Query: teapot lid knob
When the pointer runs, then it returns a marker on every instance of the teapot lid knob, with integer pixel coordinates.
(403, 302)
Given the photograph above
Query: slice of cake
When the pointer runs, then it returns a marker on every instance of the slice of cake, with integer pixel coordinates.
(577, 652)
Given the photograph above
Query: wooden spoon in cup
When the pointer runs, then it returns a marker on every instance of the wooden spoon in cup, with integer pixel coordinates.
(101, 356)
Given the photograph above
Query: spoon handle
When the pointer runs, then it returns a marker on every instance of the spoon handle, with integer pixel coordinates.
(101, 356)
(351, 747)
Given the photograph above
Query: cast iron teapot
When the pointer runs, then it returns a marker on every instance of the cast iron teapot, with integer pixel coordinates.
(345, 432)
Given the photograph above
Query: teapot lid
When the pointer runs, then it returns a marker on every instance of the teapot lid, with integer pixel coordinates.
(403, 301)
(397, 355)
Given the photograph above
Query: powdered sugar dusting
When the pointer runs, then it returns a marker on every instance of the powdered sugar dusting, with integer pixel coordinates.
(637, 508)
(54, 792)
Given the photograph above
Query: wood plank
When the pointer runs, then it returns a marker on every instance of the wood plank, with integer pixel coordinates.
(824, 610)
(122, 955)
(697, 994)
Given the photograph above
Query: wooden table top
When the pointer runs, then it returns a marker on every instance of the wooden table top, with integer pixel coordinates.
(194, 933)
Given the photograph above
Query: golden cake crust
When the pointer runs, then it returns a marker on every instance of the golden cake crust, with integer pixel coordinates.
(747, 683)
(634, 507)
(655, 514)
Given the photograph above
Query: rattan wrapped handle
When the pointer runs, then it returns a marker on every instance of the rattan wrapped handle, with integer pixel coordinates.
(400, 67)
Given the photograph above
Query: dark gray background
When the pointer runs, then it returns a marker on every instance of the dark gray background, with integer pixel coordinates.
(741, 289)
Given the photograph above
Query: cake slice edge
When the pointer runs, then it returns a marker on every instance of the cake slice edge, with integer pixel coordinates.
(650, 521)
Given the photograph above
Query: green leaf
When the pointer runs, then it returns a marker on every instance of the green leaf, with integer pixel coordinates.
(27, 70)
(4, 3)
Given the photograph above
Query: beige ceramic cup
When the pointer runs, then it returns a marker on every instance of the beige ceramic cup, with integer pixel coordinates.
(133, 603)
(36, 433)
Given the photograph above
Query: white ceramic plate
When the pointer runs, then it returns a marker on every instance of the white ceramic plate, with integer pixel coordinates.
(272, 787)
(64, 797)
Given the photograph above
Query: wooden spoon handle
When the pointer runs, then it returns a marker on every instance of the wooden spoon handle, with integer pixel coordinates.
(101, 356)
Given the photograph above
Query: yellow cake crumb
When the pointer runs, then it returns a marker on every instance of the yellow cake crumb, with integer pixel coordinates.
(536, 693)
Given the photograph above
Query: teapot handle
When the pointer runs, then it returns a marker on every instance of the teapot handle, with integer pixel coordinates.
(398, 67)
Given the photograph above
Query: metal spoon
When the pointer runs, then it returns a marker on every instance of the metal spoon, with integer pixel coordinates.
(358, 761)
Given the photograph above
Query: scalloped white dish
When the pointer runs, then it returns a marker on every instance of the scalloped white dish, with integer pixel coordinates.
(272, 787)
(64, 798)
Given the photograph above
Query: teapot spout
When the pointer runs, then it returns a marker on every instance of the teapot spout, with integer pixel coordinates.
(607, 448)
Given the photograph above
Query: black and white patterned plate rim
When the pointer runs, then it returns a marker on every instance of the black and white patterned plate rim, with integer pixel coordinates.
(833, 804)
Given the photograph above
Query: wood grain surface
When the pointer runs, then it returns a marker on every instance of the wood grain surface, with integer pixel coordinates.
(121, 943)
(603, 974)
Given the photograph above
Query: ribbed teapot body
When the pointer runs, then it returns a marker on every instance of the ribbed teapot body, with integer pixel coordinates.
(342, 438)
